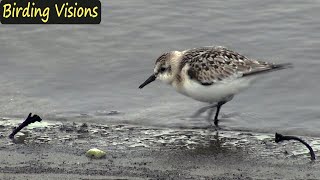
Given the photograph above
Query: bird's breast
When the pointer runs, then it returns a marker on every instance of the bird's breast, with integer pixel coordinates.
(212, 93)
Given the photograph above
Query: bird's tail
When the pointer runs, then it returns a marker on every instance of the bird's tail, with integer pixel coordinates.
(281, 66)
(273, 67)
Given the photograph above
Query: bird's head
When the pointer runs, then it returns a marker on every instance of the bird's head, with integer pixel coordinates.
(165, 68)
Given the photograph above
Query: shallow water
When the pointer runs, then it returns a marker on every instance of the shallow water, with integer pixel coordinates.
(82, 72)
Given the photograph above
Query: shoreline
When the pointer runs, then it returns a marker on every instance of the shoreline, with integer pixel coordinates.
(54, 149)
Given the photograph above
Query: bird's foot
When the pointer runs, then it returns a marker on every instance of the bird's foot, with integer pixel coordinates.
(213, 125)
(216, 122)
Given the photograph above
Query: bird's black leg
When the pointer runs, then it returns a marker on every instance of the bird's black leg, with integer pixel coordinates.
(217, 112)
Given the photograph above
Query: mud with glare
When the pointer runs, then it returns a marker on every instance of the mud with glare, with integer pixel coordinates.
(53, 150)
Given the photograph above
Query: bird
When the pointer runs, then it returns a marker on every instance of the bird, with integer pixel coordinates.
(210, 74)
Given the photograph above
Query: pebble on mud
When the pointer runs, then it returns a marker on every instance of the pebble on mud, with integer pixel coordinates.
(95, 153)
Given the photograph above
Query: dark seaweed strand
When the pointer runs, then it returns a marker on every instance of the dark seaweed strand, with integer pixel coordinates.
(280, 137)
(25, 123)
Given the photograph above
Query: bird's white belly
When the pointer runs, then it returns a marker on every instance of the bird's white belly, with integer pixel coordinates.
(213, 93)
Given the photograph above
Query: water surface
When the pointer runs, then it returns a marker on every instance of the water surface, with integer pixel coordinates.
(81, 72)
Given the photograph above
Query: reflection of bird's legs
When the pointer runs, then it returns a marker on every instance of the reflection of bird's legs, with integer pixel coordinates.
(203, 109)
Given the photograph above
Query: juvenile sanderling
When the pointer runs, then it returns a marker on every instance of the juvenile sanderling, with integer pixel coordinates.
(209, 74)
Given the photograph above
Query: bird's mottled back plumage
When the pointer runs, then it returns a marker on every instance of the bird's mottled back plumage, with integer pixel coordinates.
(209, 65)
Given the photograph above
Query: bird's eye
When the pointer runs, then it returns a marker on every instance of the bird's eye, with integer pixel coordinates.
(162, 69)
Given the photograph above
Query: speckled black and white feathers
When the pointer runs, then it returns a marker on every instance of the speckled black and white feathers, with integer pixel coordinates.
(209, 65)
(163, 58)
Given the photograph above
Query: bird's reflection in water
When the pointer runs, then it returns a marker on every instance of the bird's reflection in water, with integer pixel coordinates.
(214, 145)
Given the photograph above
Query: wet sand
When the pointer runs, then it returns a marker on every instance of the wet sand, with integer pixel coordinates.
(52, 150)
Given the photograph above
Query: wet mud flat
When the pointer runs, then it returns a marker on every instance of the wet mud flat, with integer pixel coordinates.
(51, 150)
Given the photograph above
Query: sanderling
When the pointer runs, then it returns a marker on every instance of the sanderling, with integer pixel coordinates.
(209, 74)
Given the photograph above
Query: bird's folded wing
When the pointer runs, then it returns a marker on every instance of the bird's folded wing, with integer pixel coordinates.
(215, 64)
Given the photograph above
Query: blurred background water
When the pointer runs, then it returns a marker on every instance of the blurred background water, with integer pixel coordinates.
(82, 72)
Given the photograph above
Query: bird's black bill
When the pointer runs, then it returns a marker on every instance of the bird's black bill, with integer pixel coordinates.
(149, 80)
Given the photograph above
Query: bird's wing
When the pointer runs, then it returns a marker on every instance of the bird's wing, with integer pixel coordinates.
(210, 65)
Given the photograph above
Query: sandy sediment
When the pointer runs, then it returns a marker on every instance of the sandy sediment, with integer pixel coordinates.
(52, 150)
